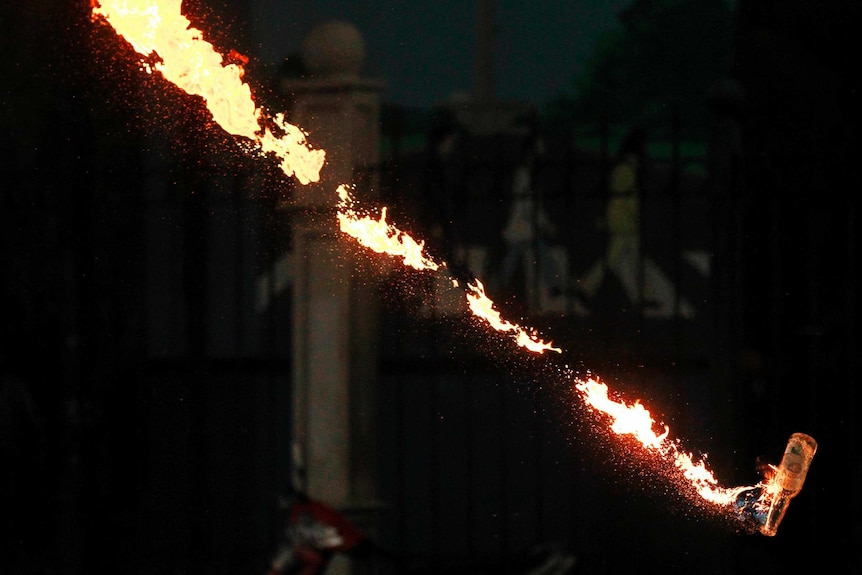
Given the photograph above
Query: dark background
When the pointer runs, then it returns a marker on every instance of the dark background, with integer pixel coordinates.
(145, 395)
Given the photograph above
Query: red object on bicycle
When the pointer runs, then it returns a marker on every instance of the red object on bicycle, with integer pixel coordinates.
(322, 527)
(315, 532)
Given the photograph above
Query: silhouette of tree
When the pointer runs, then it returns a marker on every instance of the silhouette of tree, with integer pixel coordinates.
(663, 57)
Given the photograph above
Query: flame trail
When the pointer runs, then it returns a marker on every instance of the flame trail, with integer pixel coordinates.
(380, 236)
(482, 307)
(636, 421)
(157, 30)
(385, 238)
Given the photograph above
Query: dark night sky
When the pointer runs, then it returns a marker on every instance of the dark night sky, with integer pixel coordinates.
(424, 50)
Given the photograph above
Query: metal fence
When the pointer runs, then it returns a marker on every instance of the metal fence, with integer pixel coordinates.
(485, 458)
(168, 285)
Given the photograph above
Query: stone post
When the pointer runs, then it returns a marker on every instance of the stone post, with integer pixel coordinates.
(334, 293)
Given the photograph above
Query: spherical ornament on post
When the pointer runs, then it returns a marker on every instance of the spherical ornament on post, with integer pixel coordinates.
(333, 49)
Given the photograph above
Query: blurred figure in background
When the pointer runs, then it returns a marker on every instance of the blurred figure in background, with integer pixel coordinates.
(643, 282)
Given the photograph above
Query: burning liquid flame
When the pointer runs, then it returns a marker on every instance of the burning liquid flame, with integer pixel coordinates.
(157, 30)
(384, 238)
(482, 307)
(379, 236)
(636, 421)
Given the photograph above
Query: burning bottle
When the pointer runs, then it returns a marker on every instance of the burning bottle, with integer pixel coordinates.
(768, 509)
(788, 479)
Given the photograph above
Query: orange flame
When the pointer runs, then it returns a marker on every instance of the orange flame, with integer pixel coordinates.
(158, 28)
(636, 421)
(482, 307)
(380, 236)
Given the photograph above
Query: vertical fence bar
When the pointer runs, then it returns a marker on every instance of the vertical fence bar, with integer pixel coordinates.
(437, 555)
(468, 399)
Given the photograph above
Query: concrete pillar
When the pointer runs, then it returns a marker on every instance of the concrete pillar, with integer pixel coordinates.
(335, 292)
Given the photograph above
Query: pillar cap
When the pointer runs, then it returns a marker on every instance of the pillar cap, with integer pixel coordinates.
(335, 49)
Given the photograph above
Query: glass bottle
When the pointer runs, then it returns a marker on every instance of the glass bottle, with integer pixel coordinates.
(788, 479)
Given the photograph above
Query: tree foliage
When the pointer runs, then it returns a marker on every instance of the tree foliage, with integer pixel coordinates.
(663, 58)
